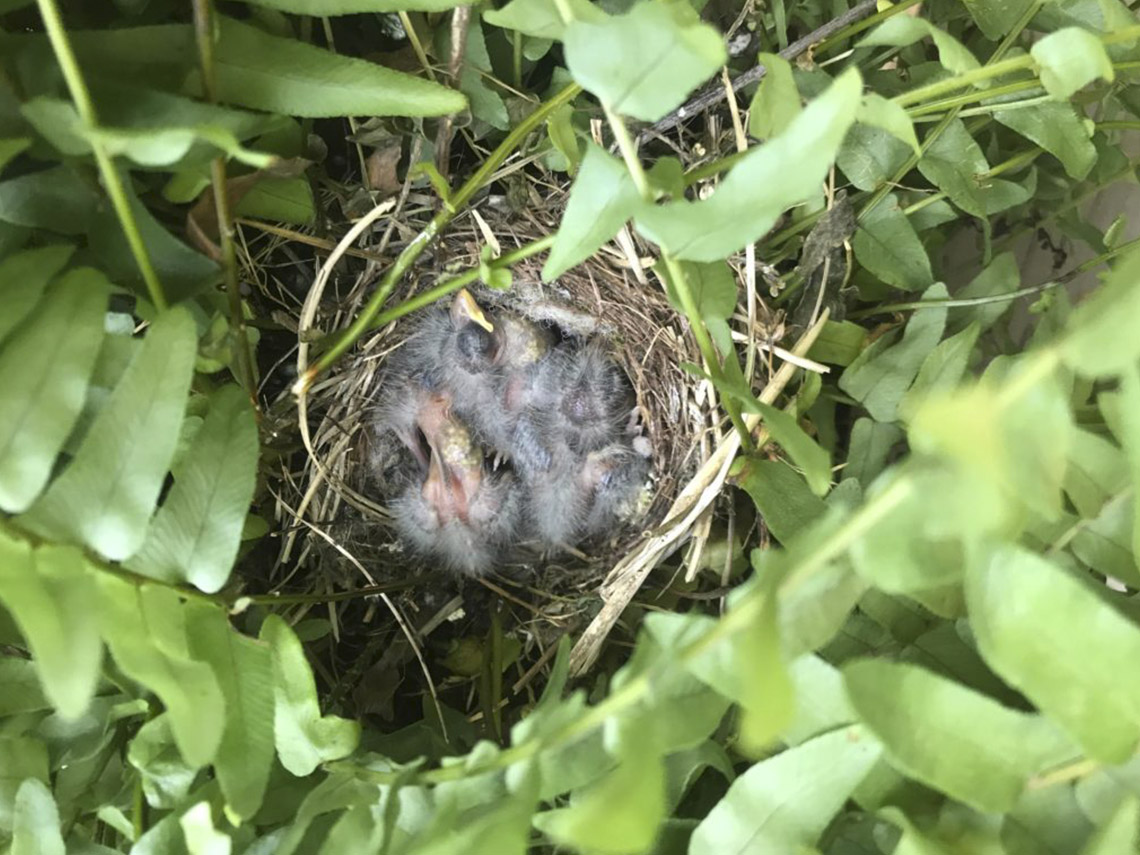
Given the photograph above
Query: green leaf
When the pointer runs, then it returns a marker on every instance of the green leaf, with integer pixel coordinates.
(602, 199)
(49, 593)
(878, 379)
(145, 629)
(870, 156)
(55, 199)
(183, 271)
(888, 247)
(782, 496)
(777, 100)
(1069, 59)
(201, 836)
(953, 163)
(265, 72)
(1120, 834)
(821, 702)
(903, 30)
(22, 692)
(541, 19)
(195, 535)
(1100, 338)
(620, 813)
(927, 538)
(871, 443)
(644, 63)
(804, 451)
(46, 366)
(1059, 130)
(1125, 408)
(943, 367)
(747, 667)
(21, 759)
(25, 276)
(560, 129)
(736, 215)
(1082, 680)
(304, 738)
(59, 123)
(283, 200)
(877, 111)
(762, 812)
(243, 668)
(11, 147)
(35, 822)
(995, 18)
(166, 777)
(1105, 542)
(1001, 276)
(107, 494)
(839, 343)
(714, 290)
(948, 736)
(1097, 471)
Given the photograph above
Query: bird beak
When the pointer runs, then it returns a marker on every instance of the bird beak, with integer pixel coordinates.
(464, 309)
(445, 490)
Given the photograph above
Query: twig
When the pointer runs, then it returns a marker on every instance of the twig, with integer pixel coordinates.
(716, 93)
(460, 23)
(203, 33)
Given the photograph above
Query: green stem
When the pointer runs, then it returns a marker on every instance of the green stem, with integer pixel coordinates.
(961, 81)
(973, 97)
(203, 34)
(677, 275)
(450, 286)
(112, 181)
(859, 26)
(999, 298)
(995, 61)
(517, 57)
(629, 154)
(412, 251)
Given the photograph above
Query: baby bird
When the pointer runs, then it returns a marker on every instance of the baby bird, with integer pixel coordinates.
(590, 400)
(457, 346)
(458, 512)
(617, 475)
(519, 354)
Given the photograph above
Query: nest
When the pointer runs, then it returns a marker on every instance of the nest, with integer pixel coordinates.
(329, 506)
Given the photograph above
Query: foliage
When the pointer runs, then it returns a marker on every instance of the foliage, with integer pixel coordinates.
(937, 654)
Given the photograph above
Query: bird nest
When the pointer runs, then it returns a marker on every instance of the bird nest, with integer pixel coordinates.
(331, 511)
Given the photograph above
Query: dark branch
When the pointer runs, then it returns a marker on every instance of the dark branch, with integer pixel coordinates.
(715, 93)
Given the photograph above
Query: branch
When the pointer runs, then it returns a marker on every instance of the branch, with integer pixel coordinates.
(716, 92)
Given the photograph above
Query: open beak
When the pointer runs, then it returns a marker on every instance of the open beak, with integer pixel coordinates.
(444, 490)
(464, 309)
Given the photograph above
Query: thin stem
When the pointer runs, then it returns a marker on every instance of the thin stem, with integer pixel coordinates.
(685, 294)
(517, 57)
(973, 97)
(859, 26)
(418, 244)
(450, 286)
(999, 298)
(203, 34)
(629, 154)
(677, 275)
(112, 181)
(961, 81)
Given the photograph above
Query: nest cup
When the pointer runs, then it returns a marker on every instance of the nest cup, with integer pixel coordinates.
(332, 509)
